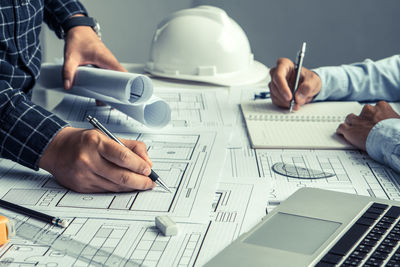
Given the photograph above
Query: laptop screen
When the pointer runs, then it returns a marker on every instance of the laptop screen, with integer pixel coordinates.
(293, 233)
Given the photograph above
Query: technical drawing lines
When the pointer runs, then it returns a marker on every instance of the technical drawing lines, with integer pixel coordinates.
(384, 178)
(322, 163)
(170, 147)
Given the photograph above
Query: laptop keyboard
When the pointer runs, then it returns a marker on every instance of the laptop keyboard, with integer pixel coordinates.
(372, 241)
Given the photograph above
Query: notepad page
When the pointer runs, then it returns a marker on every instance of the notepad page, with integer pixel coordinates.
(313, 126)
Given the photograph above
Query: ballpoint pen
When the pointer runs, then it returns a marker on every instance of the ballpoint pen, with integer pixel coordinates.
(299, 65)
(153, 176)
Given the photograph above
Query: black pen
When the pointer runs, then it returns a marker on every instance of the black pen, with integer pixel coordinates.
(33, 213)
(153, 176)
(299, 65)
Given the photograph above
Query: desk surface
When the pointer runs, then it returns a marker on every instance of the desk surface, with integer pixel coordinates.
(222, 186)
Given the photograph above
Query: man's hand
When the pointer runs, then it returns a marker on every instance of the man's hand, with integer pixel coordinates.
(89, 161)
(83, 47)
(355, 129)
(282, 80)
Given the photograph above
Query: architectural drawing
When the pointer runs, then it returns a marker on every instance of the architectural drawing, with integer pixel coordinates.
(189, 108)
(97, 241)
(185, 162)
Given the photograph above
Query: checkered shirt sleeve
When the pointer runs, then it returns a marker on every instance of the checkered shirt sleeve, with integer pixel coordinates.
(25, 128)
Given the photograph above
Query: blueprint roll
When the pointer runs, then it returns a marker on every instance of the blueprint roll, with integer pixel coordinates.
(155, 113)
(105, 85)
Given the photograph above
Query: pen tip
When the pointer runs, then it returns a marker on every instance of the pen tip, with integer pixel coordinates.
(63, 223)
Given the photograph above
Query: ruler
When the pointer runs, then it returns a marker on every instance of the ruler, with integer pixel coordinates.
(68, 246)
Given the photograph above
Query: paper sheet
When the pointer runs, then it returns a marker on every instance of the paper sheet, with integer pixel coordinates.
(187, 162)
(313, 126)
(202, 108)
(235, 208)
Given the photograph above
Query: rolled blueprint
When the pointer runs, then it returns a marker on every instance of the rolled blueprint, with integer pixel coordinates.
(105, 85)
(154, 113)
(129, 93)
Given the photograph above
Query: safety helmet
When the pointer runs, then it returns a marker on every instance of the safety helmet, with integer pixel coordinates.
(203, 44)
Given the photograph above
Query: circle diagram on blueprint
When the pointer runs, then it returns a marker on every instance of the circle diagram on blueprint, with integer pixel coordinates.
(291, 170)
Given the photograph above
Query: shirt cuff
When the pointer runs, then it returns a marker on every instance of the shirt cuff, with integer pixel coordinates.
(383, 143)
(27, 131)
(334, 80)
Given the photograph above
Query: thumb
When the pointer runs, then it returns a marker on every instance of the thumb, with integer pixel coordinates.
(69, 70)
(302, 94)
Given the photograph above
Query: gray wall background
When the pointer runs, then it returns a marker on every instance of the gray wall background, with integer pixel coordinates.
(336, 32)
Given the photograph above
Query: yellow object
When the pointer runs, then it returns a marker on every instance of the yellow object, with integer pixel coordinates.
(7, 229)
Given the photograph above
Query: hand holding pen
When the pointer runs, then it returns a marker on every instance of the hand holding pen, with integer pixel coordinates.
(88, 161)
(299, 65)
(153, 176)
(309, 84)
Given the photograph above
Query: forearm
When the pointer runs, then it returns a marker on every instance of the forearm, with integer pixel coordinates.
(25, 128)
(366, 81)
(56, 12)
(383, 143)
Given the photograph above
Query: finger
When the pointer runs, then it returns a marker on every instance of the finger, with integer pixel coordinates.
(106, 60)
(284, 70)
(121, 178)
(343, 129)
(123, 156)
(351, 119)
(383, 104)
(296, 106)
(303, 93)
(272, 72)
(138, 148)
(276, 97)
(69, 70)
(98, 184)
(367, 111)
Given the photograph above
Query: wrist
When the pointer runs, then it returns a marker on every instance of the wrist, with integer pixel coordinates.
(50, 155)
(80, 20)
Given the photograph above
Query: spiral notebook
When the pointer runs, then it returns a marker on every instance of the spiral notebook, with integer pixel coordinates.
(313, 126)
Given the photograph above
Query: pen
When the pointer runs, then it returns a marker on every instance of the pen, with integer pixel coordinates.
(35, 214)
(299, 65)
(153, 176)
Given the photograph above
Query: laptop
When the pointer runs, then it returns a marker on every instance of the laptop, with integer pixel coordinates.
(316, 227)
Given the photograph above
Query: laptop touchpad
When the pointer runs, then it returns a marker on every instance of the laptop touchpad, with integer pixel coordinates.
(293, 233)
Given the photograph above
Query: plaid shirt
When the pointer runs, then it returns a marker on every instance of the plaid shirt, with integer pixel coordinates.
(25, 128)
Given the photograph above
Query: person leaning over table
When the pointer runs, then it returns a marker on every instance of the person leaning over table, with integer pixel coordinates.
(79, 159)
(377, 128)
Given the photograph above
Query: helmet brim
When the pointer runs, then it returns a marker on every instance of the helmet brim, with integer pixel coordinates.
(253, 74)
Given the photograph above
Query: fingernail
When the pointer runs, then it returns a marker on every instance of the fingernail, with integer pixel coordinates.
(287, 97)
(67, 84)
(146, 171)
(300, 95)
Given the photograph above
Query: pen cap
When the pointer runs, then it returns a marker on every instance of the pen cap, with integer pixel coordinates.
(203, 44)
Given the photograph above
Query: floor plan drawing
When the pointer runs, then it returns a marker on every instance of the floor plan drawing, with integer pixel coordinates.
(184, 161)
(120, 242)
(193, 108)
(354, 172)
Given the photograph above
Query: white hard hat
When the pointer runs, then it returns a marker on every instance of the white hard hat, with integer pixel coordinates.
(203, 44)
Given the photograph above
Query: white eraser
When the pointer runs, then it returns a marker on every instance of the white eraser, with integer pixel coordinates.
(11, 228)
(166, 225)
